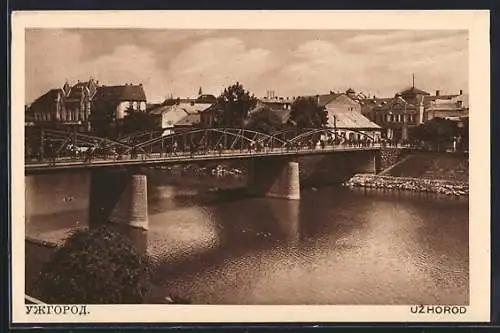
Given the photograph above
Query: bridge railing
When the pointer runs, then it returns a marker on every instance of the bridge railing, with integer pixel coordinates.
(51, 146)
(200, 153)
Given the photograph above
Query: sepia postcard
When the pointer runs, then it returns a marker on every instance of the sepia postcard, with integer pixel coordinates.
(250, 166)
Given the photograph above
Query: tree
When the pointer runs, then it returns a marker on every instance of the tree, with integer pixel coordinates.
(233, 105)
(264, 120)
(136, 121)
(95, 267)
(437, 131)
(305, 112)
(102, 120)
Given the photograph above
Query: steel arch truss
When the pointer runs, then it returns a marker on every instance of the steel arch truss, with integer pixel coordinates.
(209, 139)
(306, 136)
(140, 137)
(52, 143)
(57, 143)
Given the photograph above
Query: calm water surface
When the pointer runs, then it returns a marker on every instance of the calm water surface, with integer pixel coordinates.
(334, 246)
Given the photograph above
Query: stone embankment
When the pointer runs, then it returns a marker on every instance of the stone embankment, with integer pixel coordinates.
(446, 187)
(391, 156)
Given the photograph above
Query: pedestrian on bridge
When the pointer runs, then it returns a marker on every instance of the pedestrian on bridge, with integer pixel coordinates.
(88, 155)
(51, 153)
(251, 146)
(174, 148)
(220, 148)
(192, 149)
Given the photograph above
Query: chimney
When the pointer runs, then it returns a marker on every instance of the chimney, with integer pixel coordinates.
(461, 92)
(437, 92)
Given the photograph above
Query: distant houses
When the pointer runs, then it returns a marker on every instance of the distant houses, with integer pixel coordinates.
(401, 114)
(353, 114)
(181, 115)
(344, 113)
(72, 106)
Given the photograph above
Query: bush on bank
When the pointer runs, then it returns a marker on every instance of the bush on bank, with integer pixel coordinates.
(95, 266)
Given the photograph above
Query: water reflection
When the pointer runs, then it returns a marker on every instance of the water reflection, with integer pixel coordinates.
(334, 246)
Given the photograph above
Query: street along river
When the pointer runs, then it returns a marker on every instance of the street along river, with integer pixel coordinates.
(333, 246)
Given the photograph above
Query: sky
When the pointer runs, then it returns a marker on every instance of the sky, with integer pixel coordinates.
(290, 62)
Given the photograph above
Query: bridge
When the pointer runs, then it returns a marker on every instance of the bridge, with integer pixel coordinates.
(118, 190)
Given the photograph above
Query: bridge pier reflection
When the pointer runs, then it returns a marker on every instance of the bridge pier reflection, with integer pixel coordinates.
(274, 177)
(119, 197)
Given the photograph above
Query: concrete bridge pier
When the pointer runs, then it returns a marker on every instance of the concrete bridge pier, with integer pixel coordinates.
(274, 177)
(366, 162)
(119, 196)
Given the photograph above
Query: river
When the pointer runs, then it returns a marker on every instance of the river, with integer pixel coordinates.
(333, 246)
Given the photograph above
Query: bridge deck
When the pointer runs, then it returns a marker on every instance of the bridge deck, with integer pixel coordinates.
(181, 158)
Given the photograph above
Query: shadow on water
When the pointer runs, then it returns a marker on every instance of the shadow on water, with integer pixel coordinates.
(240, 232)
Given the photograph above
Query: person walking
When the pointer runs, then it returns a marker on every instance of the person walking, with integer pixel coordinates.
(174, 148)
(52, 153)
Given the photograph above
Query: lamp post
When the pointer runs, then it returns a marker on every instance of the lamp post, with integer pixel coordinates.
(335, 126)
(405, 124)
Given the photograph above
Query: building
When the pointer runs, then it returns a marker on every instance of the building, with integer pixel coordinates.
(179, 115)
(190, 121)
(69, 106)
(119, 99)
(455, 108)
(207, 116)
(278, 103)
(396, 116)
(272, 113)
(72, 106)
(400, 115)
(344, 113)
(167, 116)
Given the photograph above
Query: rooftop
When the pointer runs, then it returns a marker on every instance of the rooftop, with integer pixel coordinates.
(189, 120)
(126, 92)
(454, 103)
(47, 100)
(349, 120)
(413, 91)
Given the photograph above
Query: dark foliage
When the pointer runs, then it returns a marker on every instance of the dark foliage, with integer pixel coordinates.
(137, 121)
(306, 113)
(233, 105)
(437, 131)
(265, 120)
(96, 266)
(102, 120)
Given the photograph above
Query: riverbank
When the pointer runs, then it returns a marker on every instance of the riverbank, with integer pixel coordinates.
(439, 186)
(431, 165)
